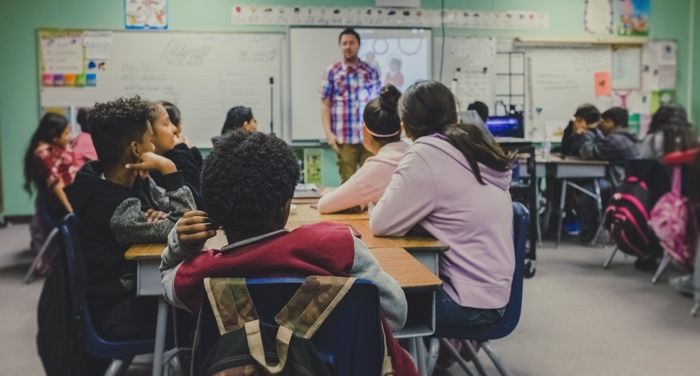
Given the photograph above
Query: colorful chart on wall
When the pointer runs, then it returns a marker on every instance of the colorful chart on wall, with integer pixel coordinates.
(634, 17)
(146, 14)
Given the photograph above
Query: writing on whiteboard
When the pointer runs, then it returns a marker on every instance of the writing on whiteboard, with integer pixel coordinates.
(183, 53)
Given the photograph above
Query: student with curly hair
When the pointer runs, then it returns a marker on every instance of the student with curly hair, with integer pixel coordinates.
(248, 182)
(381, 136)
(118, 205)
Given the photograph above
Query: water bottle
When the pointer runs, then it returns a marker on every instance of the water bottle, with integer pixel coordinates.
(546, 148)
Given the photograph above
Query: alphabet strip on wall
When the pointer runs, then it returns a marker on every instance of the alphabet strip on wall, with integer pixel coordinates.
(397, 17)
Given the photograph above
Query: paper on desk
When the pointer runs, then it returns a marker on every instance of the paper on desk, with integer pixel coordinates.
(306, 187)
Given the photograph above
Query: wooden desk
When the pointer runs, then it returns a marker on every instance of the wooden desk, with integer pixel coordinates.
(305, 200)
(565, 168)
(304, 213)
(398, 263)
(418, 282)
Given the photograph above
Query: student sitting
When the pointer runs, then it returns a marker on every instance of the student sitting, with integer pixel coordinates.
(481, 109)
(83, 149)
(176, 119)
(669, 131)
(248, 182)
(118, 205)
(615, 144)
(453, 183)
(381, 136)
(49, 166)
(173, 146)
(239, 117)
(586, 119)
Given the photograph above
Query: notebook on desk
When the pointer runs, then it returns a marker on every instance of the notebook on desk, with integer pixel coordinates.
(306, 191)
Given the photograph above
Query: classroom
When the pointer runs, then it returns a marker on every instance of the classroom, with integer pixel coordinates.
(327, 187)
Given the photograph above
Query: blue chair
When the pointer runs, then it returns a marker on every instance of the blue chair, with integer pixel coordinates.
(121, 352)
(351, 336)
(504, 327)
(47, 222)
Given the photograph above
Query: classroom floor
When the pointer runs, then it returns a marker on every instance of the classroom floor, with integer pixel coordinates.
(578, 319)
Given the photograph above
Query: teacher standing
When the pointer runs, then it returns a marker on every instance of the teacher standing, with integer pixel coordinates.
(346, 88)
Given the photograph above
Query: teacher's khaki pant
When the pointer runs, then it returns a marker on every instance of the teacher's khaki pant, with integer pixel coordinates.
(350, 158)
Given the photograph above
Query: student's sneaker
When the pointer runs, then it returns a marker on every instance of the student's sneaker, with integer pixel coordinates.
(683, 284)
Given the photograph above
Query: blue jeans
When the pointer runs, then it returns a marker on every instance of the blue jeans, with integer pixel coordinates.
(451, 315)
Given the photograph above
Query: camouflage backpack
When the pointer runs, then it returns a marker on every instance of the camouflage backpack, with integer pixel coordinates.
(247, 346)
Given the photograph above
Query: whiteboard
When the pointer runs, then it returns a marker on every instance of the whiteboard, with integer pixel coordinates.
(204, 74)
(560, 80)
(468, 69)
(313, 50)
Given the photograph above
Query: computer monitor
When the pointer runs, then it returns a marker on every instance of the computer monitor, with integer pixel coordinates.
(506, 126)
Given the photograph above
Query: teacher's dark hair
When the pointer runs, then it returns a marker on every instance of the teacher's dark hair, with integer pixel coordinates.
(428, 107)
(350, 31)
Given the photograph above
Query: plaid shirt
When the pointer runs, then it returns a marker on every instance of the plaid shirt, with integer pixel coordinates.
(349, 89)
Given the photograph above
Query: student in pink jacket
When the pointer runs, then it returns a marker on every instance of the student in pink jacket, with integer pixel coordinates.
(453, 183)
(381, 136)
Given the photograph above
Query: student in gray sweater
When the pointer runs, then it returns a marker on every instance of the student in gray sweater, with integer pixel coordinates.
(117, 205)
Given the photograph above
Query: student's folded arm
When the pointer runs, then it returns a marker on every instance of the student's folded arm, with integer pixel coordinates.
(171, 257)
(174, 197)
(348, 195)
(391, 297)
(589, 147)
(130, 225)
(408, 199)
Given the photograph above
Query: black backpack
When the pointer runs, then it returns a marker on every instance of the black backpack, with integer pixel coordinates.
(626, 219)
(247, 346)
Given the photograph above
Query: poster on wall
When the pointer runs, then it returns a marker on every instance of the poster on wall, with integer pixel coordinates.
(61, 58)
(598, 16)
(146, 14)
(634, 17)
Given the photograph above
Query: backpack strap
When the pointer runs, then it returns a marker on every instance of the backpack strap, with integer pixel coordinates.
(231, 303)
(676, 187)
(233, 309)
(312, 303)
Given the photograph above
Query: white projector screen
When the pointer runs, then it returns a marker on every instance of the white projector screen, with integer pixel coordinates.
(313, 50)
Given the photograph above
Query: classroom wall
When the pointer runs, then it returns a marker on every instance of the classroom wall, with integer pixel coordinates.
(19, 112)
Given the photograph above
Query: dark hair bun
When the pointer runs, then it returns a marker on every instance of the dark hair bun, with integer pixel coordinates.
(389, 98)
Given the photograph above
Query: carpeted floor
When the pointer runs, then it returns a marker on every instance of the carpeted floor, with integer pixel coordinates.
(578, 319)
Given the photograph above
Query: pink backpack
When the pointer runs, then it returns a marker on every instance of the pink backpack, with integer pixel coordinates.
(673, 221)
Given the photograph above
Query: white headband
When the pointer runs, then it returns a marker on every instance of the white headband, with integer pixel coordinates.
(382, 135)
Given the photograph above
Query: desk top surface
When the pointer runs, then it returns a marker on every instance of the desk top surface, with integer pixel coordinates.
(398, 263)
(557, 159)
(305, 214)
